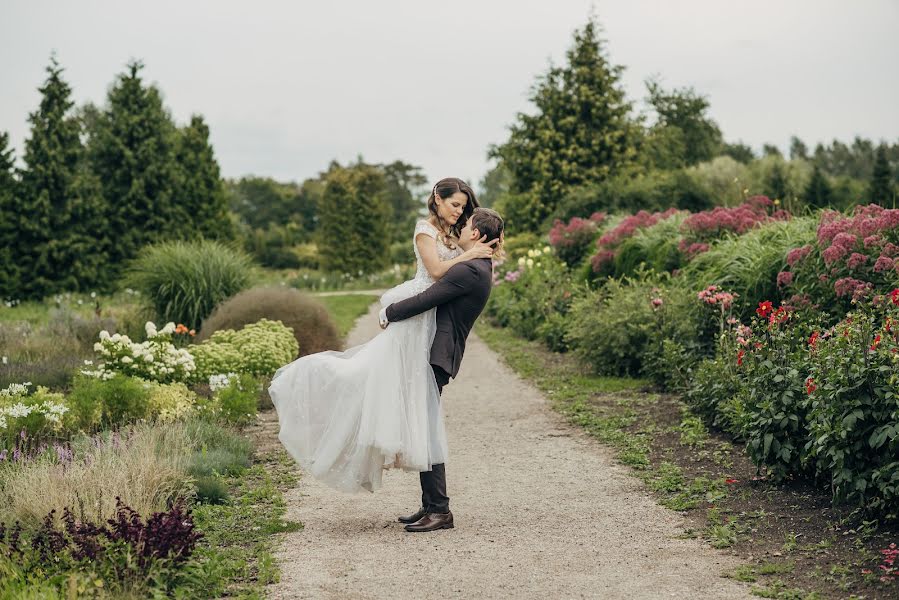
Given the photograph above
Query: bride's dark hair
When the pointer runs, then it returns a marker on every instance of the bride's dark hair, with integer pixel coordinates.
(446, 188)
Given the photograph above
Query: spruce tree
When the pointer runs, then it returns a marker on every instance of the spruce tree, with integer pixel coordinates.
(881, 190)
(582, 132)
(132, 153)
(353, 213)
(818, 192)
(200, 203)
(9, 242)
(60, 211)
(776, 184)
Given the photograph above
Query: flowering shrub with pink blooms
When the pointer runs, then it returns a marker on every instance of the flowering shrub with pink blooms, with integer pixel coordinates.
(606, 246)
(571, 241)
(854, 256)
(699, 229)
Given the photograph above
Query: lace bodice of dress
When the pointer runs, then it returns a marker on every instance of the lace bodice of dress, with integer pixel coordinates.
(444, 253)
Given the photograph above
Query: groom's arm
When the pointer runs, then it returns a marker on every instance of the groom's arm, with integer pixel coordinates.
(457, 281)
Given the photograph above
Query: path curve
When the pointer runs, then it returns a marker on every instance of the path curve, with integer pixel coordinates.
(541, 511)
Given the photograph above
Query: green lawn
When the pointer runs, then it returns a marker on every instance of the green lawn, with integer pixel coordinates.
(346, 309)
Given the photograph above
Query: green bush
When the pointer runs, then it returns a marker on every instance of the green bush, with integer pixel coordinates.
(237, 401)
(655, 247)
(107, 403)
(712, 393)
(184, 281)
(40, 415)
(312, 325)
(854, 410)
(258, 349)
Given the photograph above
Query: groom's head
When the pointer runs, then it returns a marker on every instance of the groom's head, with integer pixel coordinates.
(483, 222)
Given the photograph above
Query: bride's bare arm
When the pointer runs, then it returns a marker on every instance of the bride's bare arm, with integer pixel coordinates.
(437, 268)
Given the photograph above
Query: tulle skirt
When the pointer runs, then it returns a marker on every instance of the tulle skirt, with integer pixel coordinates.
(346, 416)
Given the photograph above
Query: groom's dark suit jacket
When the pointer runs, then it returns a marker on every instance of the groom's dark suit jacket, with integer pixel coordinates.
(459, 296)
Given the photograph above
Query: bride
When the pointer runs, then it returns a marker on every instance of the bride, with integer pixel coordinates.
(346, 416)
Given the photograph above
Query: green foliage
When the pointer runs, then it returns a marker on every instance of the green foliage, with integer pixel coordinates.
(712, 390)
(184, 281)
(60, 238)
(258, 349)
(654, 247)
(882, 189)
(582, 132)
(854, 413)
(748, 264)
(131, 150)
(199, 201)
(818, 192)
(9, 191)
(96, 403)
(685, 112)
(353, 214)
(653, 191)
(43, 415)
(237, 401)
(312, 326)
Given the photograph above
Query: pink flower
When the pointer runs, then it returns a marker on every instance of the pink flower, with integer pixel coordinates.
(833, 254)
(856, 260)
(797, 254)
(883, 264)
(784, 278)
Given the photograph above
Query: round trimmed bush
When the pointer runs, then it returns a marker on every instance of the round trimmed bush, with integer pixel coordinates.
(312, 325)
(184, 281)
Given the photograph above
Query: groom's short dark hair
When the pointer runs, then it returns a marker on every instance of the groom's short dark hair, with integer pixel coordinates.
(487, 222)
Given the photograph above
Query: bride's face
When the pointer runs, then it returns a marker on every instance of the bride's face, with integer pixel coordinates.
(450, 209)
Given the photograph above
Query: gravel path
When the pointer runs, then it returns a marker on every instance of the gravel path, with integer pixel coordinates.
(541, 511)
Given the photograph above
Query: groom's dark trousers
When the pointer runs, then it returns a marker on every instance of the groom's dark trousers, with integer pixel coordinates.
(433, 482)
(459, 297)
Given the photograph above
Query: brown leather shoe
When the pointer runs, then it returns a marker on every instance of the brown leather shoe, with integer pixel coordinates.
(432, 522)
(413, 518)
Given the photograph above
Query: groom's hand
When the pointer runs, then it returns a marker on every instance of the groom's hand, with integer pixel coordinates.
(382, 318)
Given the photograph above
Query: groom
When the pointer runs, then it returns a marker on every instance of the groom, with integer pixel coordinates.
(460, 297)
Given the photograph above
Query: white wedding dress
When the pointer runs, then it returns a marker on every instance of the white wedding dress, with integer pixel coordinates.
(346, 416)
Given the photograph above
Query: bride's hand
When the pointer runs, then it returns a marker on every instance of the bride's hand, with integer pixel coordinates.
(481, 249)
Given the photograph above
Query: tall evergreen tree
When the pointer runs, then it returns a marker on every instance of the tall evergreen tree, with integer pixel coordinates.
(776, 184)
(199, 203)
(131, 151)
(353, 212)
(771, 150)
(818, 192)
(798, 149)
(582, 132)
(739, 151)
(881, 190)
(60, 215)
(9, 243)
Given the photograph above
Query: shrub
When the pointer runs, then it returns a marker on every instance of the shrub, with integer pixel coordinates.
(654, 247)
(108, 402)
(312, 326)
(606, 247)
(237, 399)
(704, 227)
(33, 417)
(156, 359)
(170, 402)
(712, 393)
(854, 414)
(258, 349)
(572, 241)
(184, 281)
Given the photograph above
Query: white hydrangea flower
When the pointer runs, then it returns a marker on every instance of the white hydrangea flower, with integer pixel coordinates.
(104, 335)
(168, 329)
(127, 360)
(150, 328)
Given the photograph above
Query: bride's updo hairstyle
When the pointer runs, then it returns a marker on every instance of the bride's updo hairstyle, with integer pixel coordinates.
(446, 188)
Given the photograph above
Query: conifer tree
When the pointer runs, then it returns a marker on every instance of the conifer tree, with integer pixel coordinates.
(776, 184)
(9, 246)
(881, 190)
(61, 233)
(353, 213)
(818, 192)
(132, 153)
(582, 132)
(200, 203)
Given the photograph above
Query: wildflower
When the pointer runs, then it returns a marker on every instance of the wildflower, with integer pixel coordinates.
(813, 339)
(894, 296)
(875, 342)
(764, 308)
(546, 250)
(810, 386)
(731, 481)
(521, 261)
(740, 355)
(784, 278)
(530, 262)
(656, 302)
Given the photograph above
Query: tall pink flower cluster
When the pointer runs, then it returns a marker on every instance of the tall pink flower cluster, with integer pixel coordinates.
(797, 255)
(607, 243)
(571, 233)
(860, 239)
(714, 296)
(712, 224)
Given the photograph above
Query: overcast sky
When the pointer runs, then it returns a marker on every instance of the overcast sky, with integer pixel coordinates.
(288, 86)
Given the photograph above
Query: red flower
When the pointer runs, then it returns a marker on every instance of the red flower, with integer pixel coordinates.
(876, 341)
(894, 296)
(731, 480)
(764, 309)
(813, 339)
(810, 386)
(740, 355)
